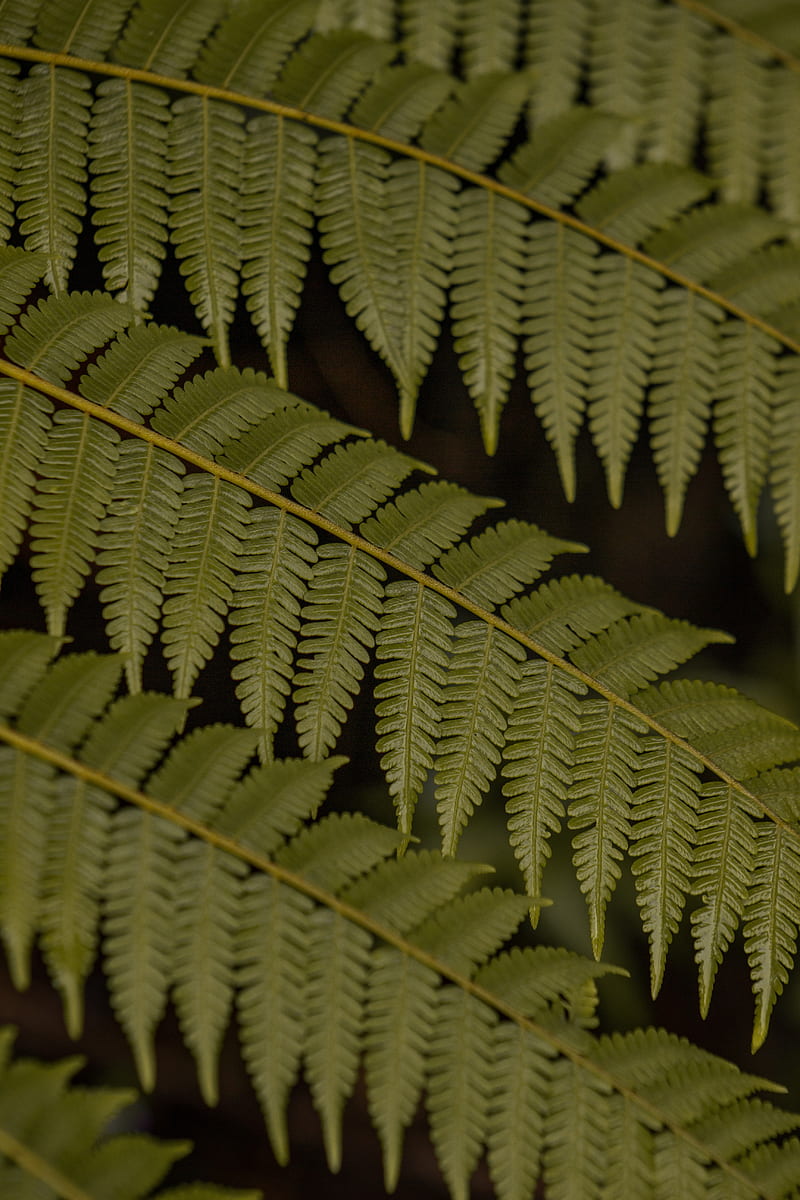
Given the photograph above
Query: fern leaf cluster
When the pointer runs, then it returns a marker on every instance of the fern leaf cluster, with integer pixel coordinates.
(473, 201)
(553, 695)
(49, 1131)
(335, 953)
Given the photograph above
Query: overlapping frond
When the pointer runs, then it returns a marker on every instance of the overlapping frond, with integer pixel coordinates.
(54, 1139)
(437, 202)
(209, 879)
(556, 684)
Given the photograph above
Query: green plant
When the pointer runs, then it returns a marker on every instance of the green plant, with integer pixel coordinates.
(210, 505)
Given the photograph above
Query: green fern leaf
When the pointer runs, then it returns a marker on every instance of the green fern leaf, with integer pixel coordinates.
(401, 99)
(204, 211)
(336, 850)
(134, 553)
(199, 577)
(785, 466)
(86, 30)
(402, 995)
(59, 710)
(632, 204)
(625, 334)
(666, 816)
(73, 492)
(738, 82)
(478, 698)
(577, 1144)
(619, 70)
(127, 161)
(561, 157)
(277, 552)
(488, 259)
(743, 418)
(19, 20)
(356, 235)
(780, 153)
(515, 1125)
(472, 128)
(51, 172)
(10, 117)
(329, 72)
(139, 368)
(771, 919)
(561, 614)
(276, 218)
(349, 484)
(500, 561)
(676, 87)
(55, 336)
(19, 272)
(418, 525)
(166, 39)
(344, 601)
(272, 950)
(762, 282)
(25, 420)
(249, 48)
(277, 449)
(271, 802)
(634, 651)
(559, 303)
(554, 47)
(489, 37)
(467, 931)
(712, 237)
(422, 204)
(128, 741)
(538, 765)
(459, 1087)
(429, 31)
(600, 800)
(338, 956)
(684, 378)
(412, 670)
(24, 658)
(722, 872)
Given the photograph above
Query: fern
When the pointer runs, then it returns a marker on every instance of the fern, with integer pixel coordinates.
(524, 179)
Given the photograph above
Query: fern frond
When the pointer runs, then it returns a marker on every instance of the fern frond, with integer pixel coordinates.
(87, 30)
(633, 203)
(199, 577)
(420, 524)
(600, 802)
(248, 49)
(554, 47)
(60, 708)
(780, 153)
(623, 342)
(329, 71)
(128, 165)
(489, 36)
(204, 225)
(478, 697)
(400, 100)
(472, 127)
(665, 819)
(53, 1140)
(325, 941)
(345, 597)
(675, 89)
(167, 39)
(276, 217)
(561, 614)
(51, 173)
(429, 31)
(743, 418)
(771, 919)
(539, 762)
(413, 671)
(684, 379)
(785, 467)
(274, 566)
(738, 82)
(487, 279)
(561, 156)
(619, 67)
(559, 296)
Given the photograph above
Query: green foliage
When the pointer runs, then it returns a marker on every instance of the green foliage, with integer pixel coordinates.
(224, 517)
